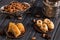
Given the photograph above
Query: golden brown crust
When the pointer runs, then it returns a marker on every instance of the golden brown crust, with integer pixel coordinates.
(51, 26)
(14, 29)
(49, 23)
(44, 26)
(39, 23)
(21, 27)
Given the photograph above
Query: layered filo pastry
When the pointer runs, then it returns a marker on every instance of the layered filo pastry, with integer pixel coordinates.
(15, 30)
(21, 27)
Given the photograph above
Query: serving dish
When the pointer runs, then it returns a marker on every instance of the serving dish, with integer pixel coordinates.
(10, 35)
(18, 13)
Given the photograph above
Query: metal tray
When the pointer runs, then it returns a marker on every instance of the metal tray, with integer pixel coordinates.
(27, 21)
(56, 35)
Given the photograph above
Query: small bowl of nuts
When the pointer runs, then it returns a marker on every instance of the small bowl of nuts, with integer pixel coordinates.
(15, 8)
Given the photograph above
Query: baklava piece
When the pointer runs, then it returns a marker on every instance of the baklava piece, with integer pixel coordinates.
(50, 26)
(44, 28)
(21, 27)
(39, 23)
(14, 29)
(49, 23)
(46, 20)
